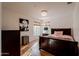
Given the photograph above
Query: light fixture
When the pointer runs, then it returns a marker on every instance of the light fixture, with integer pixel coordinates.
(44, 12)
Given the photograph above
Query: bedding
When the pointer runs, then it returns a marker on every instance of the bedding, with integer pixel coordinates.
(58, 33)
(62, 37)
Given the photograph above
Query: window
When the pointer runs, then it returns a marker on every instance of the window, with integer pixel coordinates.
(36, 30)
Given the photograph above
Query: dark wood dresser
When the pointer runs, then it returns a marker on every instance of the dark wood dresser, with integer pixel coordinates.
(10, 43)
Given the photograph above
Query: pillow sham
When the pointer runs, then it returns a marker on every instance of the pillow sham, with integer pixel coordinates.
(58, 33)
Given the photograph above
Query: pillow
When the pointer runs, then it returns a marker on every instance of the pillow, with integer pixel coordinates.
(58, 33)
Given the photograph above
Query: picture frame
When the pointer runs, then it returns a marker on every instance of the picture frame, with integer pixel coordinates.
(23, 24)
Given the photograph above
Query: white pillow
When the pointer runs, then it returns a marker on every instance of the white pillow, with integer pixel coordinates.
(58, 33)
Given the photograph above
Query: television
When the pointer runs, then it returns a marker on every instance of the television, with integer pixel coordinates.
(45, 28)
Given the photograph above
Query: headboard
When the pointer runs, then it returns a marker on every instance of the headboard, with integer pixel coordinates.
(66, 31)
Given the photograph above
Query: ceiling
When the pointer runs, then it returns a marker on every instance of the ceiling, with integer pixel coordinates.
(33, 9)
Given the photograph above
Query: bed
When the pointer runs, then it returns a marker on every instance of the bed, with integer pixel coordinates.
(59, 45)
(62, 34)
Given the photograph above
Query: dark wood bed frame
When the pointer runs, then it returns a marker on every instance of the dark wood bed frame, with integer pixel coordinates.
(59, 47)
(66, 31)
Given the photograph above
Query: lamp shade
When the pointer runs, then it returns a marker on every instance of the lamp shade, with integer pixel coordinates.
(44, 12)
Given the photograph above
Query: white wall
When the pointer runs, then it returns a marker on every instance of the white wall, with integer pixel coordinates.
(11, 21)
(0, 27)
(76, 22)
(62, 22)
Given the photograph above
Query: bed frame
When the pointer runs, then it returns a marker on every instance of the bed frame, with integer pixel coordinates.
(59, 47)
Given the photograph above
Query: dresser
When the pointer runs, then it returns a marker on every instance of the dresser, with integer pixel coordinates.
(10, 43)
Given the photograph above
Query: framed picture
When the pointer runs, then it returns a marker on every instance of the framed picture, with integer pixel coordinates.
(24, 24)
